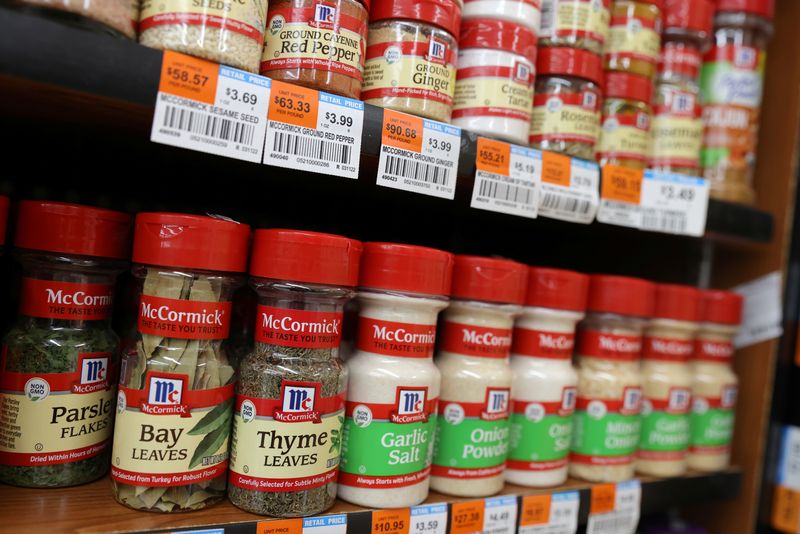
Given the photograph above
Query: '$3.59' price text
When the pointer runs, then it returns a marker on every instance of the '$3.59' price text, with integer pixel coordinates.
(185, 76)
(426, 526)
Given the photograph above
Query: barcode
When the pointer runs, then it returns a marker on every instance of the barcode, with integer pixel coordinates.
(208, 125)
(416, 170)
(548, 20)
(309, 147)
(489, 188)
(557, 202)
(613, 523)
(664, 221)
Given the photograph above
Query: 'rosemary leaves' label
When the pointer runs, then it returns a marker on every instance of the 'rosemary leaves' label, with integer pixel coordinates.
(57, 418)
(477, 341)
(396, 339)
(184, 319)
(70, 301)
(298, 328)
(168, 434)
(290, 443)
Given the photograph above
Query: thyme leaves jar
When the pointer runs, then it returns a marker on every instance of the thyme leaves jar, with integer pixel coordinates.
(293, 383)
(61, 357)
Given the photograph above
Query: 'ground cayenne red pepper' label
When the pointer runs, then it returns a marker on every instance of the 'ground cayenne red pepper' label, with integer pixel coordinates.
(291, 443)
(713, 350)
(184, 319)
(494, 91)
(609, 346)
(669, 349)
(569, 117)
(607, 431)
(169, 435)
(396, 339)
(540, 344)
(541, 432)
(473, 340)
(57, 418)
(298, 328)
(66, 300)
(244, 18)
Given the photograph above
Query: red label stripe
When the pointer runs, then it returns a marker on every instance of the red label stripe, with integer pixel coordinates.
(296, 14)
(408, 92)
(601, 460)
(384, 412)
(612, 405)
(596, 344)
(28, 459)
(267, 407)
(467, 474)
(192, 398)
(490, 111)
(154, 480)
(541, 344)
(396, 339)
(587, 139)
(576, 99)
(411, 48)
(312, 63)
(478, 341)
(198, 19)
(623, 21)
(383, 482)
(667, 349)
(282, 484)
(550, 408)
(713, 351)
(720, 449)
(492, 71)
(298, 328)
(661, 456)
(184, 319)
(65, 300)
(551, 465)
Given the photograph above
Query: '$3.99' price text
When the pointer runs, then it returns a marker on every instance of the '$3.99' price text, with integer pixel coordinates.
(185, 76)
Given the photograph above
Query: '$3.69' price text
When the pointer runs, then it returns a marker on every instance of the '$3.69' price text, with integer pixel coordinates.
(245, 97)
(292, 104)
(185, 76)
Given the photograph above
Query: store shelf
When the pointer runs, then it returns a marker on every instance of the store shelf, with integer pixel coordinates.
(91, 508)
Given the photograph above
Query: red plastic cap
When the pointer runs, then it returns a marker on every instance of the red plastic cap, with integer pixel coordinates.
(628, 87)
(694, 15)
(721, 307)
(621, 295)
(570, 62)
(4, 202)
(446, 14)
(557, 289)
(763, 8)
(489, 280)
(680, 303)
(191, 242)
(498, 35)
(73, 229)
(406, 268)
(305, 257)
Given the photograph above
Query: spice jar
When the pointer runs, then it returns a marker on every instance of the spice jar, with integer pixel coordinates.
(715, 384)
(634, 37)
(494, 82)
(393, 388)
(60, 359)
(625, 132)
(543, 392)
(579, 24)
(411, 57)
(677, 123)
(566, 108)
(472, 427)
(115, 17)
(287, 427)
(607, 420)
(522, 12)
(230, 32)
(731, 88)
(176, 387)
(667, 381)
(316, 43)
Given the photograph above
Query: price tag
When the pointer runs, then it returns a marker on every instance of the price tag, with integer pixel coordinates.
(620, 195)
(313, 131)
(500, 515)
(615, 509)
(674, 204)
(428, 519)
(467, 517)
(418, 155)
(202, 531)
(550, 514)
(506, 178)
(569, 188)
(786, 510)
(326, 524)
(789, 459)
(280, 526)
(390, 521)
(210, 108)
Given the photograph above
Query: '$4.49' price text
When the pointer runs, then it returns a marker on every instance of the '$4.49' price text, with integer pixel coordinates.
(185, 76)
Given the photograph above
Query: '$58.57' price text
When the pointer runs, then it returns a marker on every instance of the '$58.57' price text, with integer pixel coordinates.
(292, 104)
(185, 76)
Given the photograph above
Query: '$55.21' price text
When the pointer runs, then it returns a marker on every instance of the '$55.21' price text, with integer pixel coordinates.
(185, 76)
(492, 157)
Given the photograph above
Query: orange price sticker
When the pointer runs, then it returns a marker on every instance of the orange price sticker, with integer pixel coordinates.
(535, 510)
(786, 510)
(622, 184)
(188, 77)
(280, 526)
(391, 521)
(402, 131)
(604, 498)
(292, 104)
(467, 517)
(556, 169)
(493, 156)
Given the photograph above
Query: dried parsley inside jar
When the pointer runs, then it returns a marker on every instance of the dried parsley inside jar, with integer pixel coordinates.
(287, 431)
(60, 359)
(176, 388)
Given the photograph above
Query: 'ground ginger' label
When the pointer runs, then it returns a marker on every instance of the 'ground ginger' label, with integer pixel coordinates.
(606, 431)
(494, 91)
(243, 17)
(69, 301)
(572, 118)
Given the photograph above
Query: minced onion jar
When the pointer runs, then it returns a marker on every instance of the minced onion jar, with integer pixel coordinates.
(627, 118)
(575, 24)
(634, 37)
(523, 12)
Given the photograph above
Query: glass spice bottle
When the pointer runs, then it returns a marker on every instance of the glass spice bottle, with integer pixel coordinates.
(627, 117)
(61, 357)
(581, 24)
(634, 37)
(176, 387)
(293, 382)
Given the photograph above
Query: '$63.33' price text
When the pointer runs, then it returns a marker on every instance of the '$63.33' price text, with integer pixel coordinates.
(292, 104)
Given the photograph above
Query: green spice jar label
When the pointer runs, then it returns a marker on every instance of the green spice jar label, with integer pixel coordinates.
(66, 300)
(291, 443)
(606, 431)
(541, 433)
(389, 445)
(56, 418)
(712, 422)
(472, 438)
(665, 426)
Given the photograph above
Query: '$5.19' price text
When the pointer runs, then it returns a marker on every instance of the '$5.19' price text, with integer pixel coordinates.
(185, 76)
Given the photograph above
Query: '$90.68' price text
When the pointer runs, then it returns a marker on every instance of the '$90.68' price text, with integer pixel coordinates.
(185, 76)
(395, 129)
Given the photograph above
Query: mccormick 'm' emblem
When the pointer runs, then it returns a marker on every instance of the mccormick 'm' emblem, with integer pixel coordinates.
(631, 401)
(410, 405)
(298, 403)
(522, 73)
(94, 373)
(436, 51)
(324, 15)
(165, 394)
(496, 404)
(569, 397)
(745, 58)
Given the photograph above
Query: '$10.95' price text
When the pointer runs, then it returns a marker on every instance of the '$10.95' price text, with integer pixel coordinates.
(185, 76)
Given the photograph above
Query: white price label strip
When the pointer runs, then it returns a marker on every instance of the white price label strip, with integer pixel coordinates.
(620, 196)
(418, 155)
(428, 519)
(569, 189)
(789, 459)
(550, 514)
(506, 178)
(615, 509)
(210, 108)
(313, 131)
(328, 524)
(674, 204)
(500, 515)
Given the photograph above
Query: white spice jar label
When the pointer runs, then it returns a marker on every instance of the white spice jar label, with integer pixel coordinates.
(506, 178)
(210, 108)
(550, 514)
(674, 204)
(569, 189)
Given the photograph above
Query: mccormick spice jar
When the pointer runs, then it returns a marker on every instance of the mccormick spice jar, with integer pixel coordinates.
(634, 40)
(60, 360)
(287, 426)
(543, 392)
(579, 24)
(411, 57)
(627, 115)
(393, 390)
(522, 12)
(494, 82)
(566, 105)
(176, 386)
(316, 43)
(731, 86)
(607, 422)
(472, 427)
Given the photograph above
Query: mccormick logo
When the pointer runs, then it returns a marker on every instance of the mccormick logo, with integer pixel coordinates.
(671, 347)
(298, 403)
(619, 344)
(714, 349)
(642, 121)
(569, 397)
(487, 339)
(410, 405)
(289, 324)
(94, 374)
(324, 16)
(167, 314)
(165, 395)
(436, 51)
(745, 57)
(556, 342)
(401, 335)
(683, 103)
(589, 100)
(522, 73)
(77, 298)
(631, 401)
(728, 398)
(680, 400)
(496, 404)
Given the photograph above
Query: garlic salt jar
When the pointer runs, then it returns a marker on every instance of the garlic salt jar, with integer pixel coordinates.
(607, 421)
(393, 390)
(543, 391)
(472, 426)
(494, 82)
